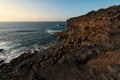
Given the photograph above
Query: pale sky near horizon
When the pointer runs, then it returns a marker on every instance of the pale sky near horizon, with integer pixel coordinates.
(49, 10)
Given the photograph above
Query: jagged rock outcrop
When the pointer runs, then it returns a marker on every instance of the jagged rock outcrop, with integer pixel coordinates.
(89, 50)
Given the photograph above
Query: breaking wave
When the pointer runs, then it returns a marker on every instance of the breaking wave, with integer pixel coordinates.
(53, 31)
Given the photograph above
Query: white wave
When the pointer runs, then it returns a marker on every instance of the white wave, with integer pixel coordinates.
(10, 52)
(8, 45)
(8, 55)
(2, 44)
(2, 57)
(44, 47)
(53, 31)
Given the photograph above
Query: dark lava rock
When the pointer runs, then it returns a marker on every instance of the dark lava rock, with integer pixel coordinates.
(1, 61)
(1, 50)
(89, 49)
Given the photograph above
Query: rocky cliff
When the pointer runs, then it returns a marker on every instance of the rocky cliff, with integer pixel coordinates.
(89, 50)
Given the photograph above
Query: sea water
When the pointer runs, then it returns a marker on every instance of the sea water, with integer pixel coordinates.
(18, 37)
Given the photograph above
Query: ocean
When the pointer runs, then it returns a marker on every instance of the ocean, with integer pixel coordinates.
(19, 37)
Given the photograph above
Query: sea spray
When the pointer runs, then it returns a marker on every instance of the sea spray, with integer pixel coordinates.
(16, 37)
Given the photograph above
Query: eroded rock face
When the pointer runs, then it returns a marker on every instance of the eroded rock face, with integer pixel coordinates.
(89, 50)
(100, 18)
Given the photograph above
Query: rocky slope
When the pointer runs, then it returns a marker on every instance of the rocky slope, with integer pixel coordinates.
(89, 50)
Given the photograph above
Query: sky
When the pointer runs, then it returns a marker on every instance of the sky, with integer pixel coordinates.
(49, 10)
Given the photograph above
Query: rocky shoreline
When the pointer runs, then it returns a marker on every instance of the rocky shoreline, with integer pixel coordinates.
(89, 50)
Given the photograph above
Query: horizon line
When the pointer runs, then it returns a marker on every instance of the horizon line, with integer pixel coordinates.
(34, 21)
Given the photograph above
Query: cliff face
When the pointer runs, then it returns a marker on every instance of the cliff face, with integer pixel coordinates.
(89, 50)
(100, 18)
(95, 21)
(95, 32)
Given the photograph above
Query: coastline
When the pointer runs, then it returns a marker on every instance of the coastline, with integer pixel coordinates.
(89, 50)
(17, 38)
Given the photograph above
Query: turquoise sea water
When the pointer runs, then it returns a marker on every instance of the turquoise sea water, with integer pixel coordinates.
(18, 37)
